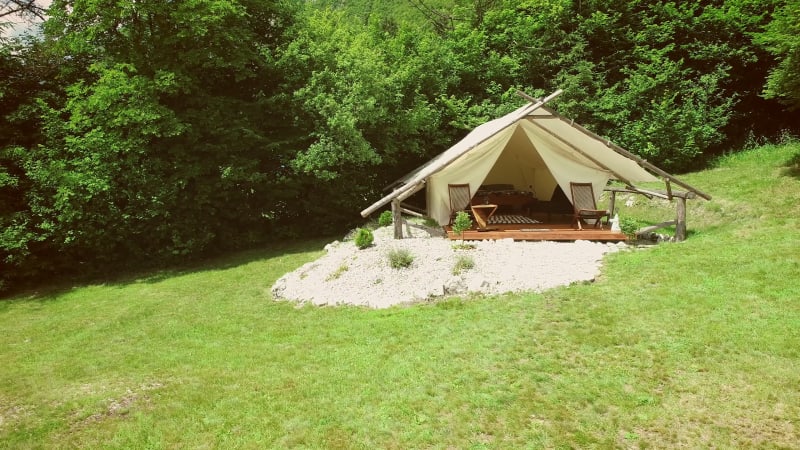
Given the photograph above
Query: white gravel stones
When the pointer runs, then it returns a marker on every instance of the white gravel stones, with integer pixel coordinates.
(347, 275)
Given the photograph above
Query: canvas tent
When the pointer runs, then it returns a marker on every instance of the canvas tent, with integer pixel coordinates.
(532, 148)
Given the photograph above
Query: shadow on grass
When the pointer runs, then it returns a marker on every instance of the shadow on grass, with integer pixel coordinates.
(53, 288)
(792, 167)
(230, 260)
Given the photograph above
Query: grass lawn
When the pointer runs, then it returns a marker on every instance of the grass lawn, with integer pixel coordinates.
(692, 345)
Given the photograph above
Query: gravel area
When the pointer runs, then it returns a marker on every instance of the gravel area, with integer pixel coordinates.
(347, 275)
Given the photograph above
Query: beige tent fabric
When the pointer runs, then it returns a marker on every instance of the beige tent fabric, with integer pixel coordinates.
(521, 165)
(564, 163)
(477, 138)
(531, 148)
(470, 168)
(595, 148)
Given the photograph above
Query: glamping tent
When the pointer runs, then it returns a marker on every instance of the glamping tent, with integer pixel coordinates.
(532, 148)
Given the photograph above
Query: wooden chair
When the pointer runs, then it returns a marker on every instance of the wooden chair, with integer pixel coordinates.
(585, 207)
(460, 198)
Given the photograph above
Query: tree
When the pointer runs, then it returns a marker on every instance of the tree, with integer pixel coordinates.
(365, 98)
(782, 39)
(163, 144)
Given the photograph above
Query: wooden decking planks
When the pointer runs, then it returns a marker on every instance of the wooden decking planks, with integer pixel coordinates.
(539, 232)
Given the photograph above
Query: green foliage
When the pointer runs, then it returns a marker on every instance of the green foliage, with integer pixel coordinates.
(463, 262)
(141, 157)
(782, 39)
(364, 238)
(351, 82)
(400, 258)
(684, 118)
(337, 273)
(629, 226)
(461, 223)
(385, 219)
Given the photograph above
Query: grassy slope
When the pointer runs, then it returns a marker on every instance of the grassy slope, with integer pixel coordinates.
(694, 344)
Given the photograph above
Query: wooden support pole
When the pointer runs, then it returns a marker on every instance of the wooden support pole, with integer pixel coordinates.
(611, 203)
(397, 219)
(680, 220)
(411, 213)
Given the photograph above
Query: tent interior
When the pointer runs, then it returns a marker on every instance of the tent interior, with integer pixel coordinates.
(521, 166)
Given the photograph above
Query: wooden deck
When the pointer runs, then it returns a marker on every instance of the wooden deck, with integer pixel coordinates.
(539, 232)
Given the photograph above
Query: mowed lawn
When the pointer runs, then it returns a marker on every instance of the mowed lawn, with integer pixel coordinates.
(691, 345)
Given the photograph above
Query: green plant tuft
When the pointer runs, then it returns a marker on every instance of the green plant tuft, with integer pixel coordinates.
(463, 263)
(385, 219)
(337, 273)
(463, 246)
(364, 238)
(430, 223)
(400, 258)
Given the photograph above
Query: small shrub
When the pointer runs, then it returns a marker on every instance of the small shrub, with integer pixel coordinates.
(463, 263)
(364, 238)
(385, 219)
(629, 225)
(400, 258)
(461, 224)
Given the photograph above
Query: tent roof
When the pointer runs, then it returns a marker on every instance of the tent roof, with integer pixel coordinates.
(591, 149)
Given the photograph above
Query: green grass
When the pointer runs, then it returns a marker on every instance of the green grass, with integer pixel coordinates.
(692, 345)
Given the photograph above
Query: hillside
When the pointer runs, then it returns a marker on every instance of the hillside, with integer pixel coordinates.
(692, 345)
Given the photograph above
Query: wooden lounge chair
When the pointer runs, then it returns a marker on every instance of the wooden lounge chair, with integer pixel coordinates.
(585, 207)
(460, 198)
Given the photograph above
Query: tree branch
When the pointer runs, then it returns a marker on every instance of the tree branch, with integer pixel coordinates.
(26, 9)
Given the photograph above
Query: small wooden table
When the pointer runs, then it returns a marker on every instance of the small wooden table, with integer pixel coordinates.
(482, 214)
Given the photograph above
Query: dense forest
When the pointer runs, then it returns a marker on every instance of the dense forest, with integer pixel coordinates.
(145, 132)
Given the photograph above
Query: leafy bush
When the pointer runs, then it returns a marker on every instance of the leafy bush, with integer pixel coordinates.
(364, 238)
(400, 258)
(463, 263)
(385, 219)
(629, 225)
(461, 223)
